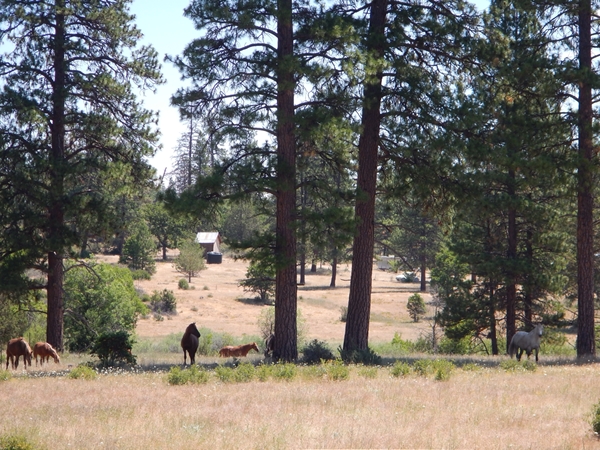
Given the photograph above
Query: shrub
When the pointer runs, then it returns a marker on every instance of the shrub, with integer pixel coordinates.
(454, 346)
(225, 374)
(263, 372)
(83, 371)
(5, 375)
(141, 274)
(336, 370)
(443, 369)
(423, 367)
(183, 284)
(366, 357)
(400, 369)
(112, 348)
(416, 307)
(15, 442)
(285, 371)
(408, 277)
(315, 352)
(244, 373)
(101, 298)
(596, 419)
(163, 302)
(192, 375)
(401, 344)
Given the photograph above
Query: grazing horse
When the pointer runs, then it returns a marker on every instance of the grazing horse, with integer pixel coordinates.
(522, 340)
(15, 348)
(189, 342)
(44, 351)
(240, 350)
(269, 345)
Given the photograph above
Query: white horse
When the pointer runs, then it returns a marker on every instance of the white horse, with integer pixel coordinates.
(522, 340)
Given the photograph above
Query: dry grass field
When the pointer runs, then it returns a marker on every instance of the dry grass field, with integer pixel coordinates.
(485, 407)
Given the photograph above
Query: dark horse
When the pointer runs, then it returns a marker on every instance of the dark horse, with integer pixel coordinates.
(189, 342)
(15, 348)
(269, 345)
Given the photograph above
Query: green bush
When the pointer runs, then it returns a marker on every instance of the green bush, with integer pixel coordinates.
(244, 373)
(183, 284)
(191, 375)
(113, 348)
(337, 370)
(316, 351)
(596, 419)
(423, 367)
(83, 371)
(15, 442)
(449, 346)
(163, 302)
(140, 274)
(101, 299)
(225, 374)
(402, 345)
(443, 369)
(5, 375)
(400, 369)
(264, 372)
(285, 371)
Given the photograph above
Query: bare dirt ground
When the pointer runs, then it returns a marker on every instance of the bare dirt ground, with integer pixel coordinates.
(216, 301)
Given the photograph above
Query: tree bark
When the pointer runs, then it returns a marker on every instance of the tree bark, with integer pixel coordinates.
(511, 286)
(586, 346)
(286, 346)
(55, 292)
(359, 302)
(334, 264)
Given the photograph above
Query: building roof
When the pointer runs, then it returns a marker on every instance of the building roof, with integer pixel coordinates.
(208, 238)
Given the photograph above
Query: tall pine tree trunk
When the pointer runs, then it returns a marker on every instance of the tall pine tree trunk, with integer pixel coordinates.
(511, 284)
(359, 302)
(334, 264)
(56, 219)
(286, 346)
(585, 202)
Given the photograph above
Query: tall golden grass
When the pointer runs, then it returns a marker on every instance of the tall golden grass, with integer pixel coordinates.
(488, 408)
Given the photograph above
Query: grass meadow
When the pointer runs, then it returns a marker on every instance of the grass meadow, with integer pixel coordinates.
(484, 402)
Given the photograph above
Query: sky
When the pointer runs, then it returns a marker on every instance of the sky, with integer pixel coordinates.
(168, 31)
(165, 28)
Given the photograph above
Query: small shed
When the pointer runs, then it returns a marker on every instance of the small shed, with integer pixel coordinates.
(210, 241)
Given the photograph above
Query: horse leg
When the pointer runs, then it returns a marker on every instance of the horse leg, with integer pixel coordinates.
(519, 354)
(536, 355)
(184, 358)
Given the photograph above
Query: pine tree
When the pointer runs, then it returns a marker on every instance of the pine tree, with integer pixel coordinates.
(67, 110)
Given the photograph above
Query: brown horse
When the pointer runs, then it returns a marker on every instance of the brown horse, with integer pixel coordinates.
(44, 351)
(189, 342)
(240, 350)
(15, 348)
